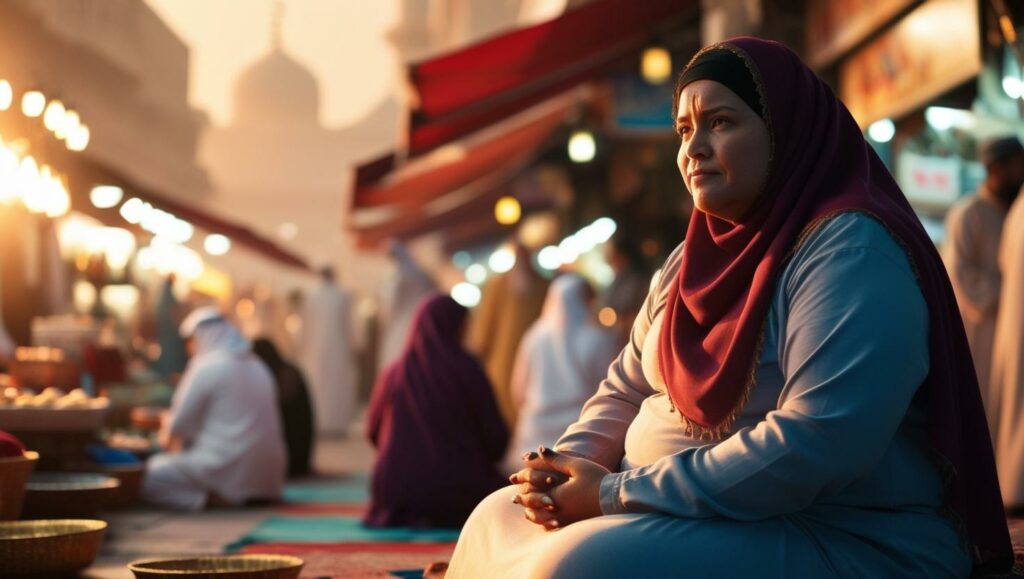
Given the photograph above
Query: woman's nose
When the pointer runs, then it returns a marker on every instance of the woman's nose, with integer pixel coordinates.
(697, 147)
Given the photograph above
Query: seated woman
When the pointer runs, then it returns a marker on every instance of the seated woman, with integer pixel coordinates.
(222, 437)
(560, 362)
(433, 411)
(294, 405)
(797, 398)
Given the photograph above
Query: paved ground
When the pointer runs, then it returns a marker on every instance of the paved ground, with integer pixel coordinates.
(141, 533)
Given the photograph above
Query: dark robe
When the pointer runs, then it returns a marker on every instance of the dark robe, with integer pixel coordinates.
(296, 409)
(436, 425)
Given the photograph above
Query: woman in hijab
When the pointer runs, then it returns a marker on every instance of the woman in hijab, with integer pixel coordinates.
(433, 411)
(293, 402)
(222, 438)
(561, 360)
(797, 398)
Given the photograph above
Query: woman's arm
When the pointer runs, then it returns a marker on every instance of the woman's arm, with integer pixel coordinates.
(853, 353)
(600, 433)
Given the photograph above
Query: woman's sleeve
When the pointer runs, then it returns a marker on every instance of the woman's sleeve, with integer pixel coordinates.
(853, 353)
(378, 407)
(600, 432)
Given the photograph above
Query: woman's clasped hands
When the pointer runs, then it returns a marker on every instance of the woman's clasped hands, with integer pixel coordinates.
(557, 489)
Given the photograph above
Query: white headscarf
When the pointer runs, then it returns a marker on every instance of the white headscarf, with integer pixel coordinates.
(560, 363)
(212, 332)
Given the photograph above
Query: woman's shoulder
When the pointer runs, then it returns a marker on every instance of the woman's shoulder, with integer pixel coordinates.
(849, 231)
(854, 246)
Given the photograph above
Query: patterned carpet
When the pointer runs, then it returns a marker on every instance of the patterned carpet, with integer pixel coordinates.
(319, 523)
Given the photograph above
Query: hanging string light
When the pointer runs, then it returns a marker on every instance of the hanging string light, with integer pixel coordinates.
(32, 103)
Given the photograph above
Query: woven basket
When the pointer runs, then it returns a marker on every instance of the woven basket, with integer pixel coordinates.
(56, 547)
(130, 476)
(14, 472)
(54, 495)
(227, 567)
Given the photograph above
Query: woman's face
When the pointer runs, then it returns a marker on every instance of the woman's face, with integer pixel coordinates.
(725, 149)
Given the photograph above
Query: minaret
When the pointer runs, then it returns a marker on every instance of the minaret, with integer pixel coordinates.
(276, 25)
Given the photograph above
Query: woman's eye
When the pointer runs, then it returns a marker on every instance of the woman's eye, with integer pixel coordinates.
(717, 123)
(683, 131)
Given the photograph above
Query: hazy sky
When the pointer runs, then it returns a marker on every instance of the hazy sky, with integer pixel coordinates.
(341, 41)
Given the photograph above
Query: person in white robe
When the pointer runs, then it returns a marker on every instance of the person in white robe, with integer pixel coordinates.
(223, 433)
(1008, 362)
(974, 227)
(560, 362)
(327, 355)
(403, 294)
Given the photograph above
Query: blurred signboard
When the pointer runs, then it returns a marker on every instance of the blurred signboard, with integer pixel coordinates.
(933, 49)
(640, 106)
(836, 26)
(929, 181)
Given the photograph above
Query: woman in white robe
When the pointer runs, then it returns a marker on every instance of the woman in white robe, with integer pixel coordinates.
(223, 432)
(560, 362)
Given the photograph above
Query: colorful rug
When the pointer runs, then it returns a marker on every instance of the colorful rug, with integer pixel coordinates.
(353, 488)
(320, 564)
(320, 522)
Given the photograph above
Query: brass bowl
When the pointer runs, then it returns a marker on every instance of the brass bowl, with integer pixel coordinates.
(226, 567)
(14, 472)
(53, 547)
(76, 495)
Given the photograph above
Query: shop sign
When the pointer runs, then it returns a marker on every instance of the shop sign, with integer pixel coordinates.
(933, 181)
(933, 49)
(641, 106)
(836, 26)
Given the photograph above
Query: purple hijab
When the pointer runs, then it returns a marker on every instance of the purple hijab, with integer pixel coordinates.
(436, 426)
(821, 166)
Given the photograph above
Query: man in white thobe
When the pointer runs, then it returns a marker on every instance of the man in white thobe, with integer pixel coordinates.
(223, 438)
(974, 227)
(326, 351)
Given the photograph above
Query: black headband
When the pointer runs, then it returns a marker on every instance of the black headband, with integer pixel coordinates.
(727, 68)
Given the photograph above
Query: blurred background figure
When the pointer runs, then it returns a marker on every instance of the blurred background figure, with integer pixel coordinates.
(625, 295)
(403, 293)
(222, 438)
(293, 400)
(327, 349)
(974, 227)
(511, 302)
(168, 315)
(1007, 378)
(436, 426)
(561, 360)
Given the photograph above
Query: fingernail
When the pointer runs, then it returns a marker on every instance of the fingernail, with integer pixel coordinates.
(512, 479)
(547, 451)
(547, 500)
(516, 500)
(552, 524)
(530, 456)
(550, 508)
(549, 480)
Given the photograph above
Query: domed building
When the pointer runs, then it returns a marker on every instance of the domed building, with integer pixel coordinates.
(277, 168)
(277, 90)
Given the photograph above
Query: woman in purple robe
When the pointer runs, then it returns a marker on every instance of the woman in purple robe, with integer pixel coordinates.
(433, 410)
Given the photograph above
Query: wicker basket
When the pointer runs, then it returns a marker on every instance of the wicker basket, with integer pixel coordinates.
(227, 567)
(53, 495)
(130, 476)
(57, 547)
(14, 472)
